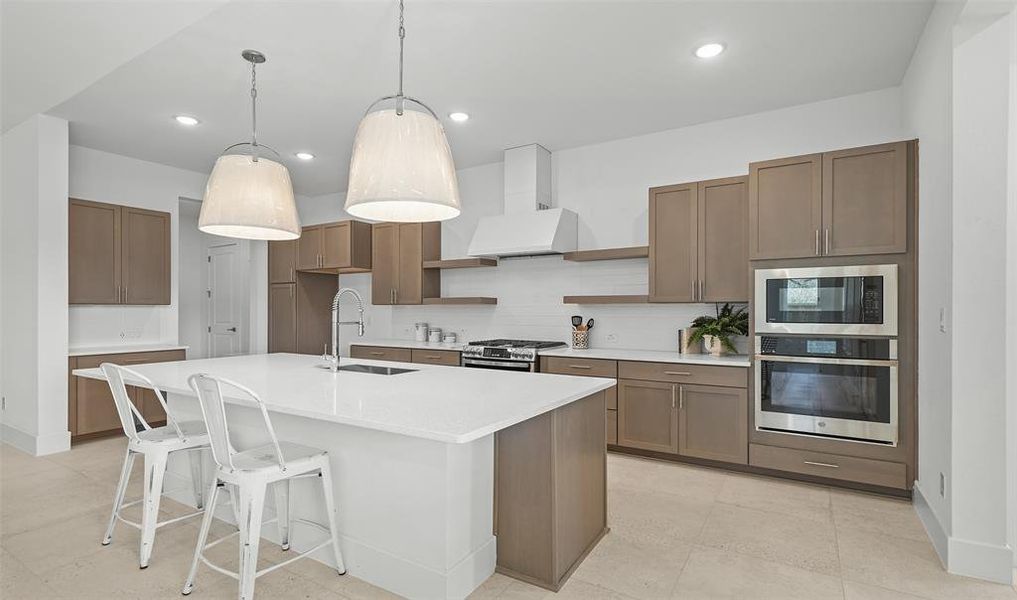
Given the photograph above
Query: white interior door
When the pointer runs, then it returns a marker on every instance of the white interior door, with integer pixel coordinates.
(225, 307)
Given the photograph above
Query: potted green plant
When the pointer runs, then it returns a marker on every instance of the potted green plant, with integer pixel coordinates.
(716, 331)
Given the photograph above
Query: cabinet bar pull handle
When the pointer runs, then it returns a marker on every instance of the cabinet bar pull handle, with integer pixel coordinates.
(681, 397)
(376, 353)
(584, 367)
(821, 464)
(702, 289)
(817, 242)
(826, 240)
(673, 387)
(293, 276)
(679, 373)
(125, 295)
(693, 290)
(432, 357)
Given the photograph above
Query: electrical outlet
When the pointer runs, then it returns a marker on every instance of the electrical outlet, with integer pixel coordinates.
(611, 338)
(3, 403)
(132, 334)
(942, 485)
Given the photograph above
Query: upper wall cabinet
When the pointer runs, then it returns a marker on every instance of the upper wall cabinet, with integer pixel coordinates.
(399, 252)
(282, 261)
(117, 254)
(843, 203)
(697, 241)
(343, 247)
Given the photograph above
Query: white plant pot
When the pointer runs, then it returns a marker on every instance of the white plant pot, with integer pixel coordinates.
(713, 345)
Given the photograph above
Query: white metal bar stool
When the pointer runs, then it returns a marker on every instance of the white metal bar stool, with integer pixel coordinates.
(155, 445)
(247, 475)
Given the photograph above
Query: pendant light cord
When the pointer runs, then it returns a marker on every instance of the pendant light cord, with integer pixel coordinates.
(402, 37)
(254, 109)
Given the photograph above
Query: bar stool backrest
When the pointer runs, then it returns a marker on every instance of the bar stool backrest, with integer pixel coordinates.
(129, 415)
(208, 388)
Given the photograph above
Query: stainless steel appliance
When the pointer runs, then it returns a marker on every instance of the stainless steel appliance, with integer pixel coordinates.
(842, 387)
(845, 300)
(506, 355)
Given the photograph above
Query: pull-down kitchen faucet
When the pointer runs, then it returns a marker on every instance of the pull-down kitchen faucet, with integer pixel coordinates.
(333, 358)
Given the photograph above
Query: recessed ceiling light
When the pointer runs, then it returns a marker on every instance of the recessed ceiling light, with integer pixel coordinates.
(186, 120)
(709, 50)
(305, 155)
(459, 117)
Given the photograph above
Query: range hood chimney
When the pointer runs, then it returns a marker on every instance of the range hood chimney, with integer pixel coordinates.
(530, 225)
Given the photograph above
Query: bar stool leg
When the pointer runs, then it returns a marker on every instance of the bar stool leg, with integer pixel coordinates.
(326, 485)
(197, 458)
(252, 504)
(118, 497)
(282, 509)
(206, 524)
(155, 470)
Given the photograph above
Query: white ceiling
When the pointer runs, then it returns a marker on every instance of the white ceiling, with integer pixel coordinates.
(562, 74)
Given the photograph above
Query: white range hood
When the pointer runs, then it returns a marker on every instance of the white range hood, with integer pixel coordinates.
(529, 227)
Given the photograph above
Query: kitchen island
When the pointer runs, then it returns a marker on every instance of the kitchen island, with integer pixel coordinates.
(440, 473)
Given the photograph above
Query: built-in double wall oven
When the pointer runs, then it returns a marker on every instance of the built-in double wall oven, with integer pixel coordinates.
(826, 352)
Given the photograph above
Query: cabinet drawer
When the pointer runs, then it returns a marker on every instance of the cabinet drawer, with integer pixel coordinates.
(834, 466)
(612, 426)
(381, 353)
(590, 367)
(436, 357)
(679, 373)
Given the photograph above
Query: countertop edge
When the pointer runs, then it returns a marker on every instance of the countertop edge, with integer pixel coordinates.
(100, 350)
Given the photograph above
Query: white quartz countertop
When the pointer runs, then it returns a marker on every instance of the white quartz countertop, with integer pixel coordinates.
(407, 344)
(730, 360)
(447, 404)
(122, 349)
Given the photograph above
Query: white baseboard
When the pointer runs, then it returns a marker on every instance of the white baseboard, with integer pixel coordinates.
(933, 528)
(982, 561)
(964, 557)
(36, 445)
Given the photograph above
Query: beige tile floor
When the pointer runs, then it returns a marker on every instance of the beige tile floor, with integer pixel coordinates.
(677, 531)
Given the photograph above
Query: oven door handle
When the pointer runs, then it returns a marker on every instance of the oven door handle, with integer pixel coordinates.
(827, 361)
(518, 366)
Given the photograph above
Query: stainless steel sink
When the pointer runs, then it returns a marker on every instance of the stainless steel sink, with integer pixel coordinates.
(374, 370)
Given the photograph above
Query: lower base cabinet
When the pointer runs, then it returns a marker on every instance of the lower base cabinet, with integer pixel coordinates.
(91, 411)
(713, 423)
(647, 415)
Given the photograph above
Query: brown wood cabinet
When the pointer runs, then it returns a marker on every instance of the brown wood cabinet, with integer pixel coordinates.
(282, 261)
(117, 254)
(713, 423)
(282, 317)
(448, 358)
(91, 409)
(340, 247)
(398, 254)
(698, 251)
(381, 353)
(648, 415)
(843, 203)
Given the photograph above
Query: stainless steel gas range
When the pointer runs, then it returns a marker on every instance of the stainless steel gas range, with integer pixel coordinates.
(506, 355)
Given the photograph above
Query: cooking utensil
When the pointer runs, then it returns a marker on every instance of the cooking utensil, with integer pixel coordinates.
(577, 320)
(589, 325)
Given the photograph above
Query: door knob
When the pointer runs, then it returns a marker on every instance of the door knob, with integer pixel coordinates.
(233, 329)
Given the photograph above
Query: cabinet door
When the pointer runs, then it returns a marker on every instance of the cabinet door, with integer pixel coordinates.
(282, 261)
(314, 313)
(409, 284)
(723, 240)
(309, 248)
(145, 256)
(282, 317)
(96, 409)
(865, 192)
(673, 232)
(647, 415)
(94, 253)
(785, 207)
(713, 423)
(384, 263)
(335, 245)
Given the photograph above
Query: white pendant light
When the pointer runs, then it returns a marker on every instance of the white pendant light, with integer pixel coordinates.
(248, 195)
(402, 168)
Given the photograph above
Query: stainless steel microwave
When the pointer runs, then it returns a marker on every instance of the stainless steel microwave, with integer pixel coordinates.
(843, 300)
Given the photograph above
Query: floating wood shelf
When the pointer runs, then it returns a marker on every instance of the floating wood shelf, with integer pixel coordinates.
(608, 254)
(619, 299)
(462, 300)
(461, 263)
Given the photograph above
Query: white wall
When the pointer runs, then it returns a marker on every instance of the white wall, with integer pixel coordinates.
(34, 270)
(607, 185)
(926, 109)
(981, 106)
(105, 177)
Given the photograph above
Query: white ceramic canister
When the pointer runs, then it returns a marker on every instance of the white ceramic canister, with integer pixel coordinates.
(420, 333)
(434, 334)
